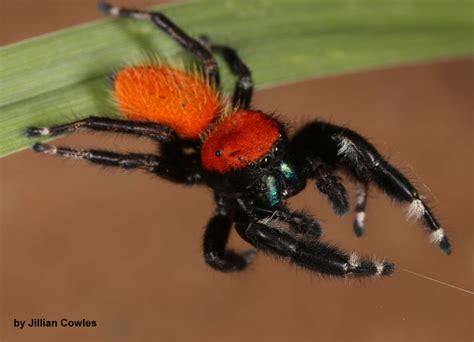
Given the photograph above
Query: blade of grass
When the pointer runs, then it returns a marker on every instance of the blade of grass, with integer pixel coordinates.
(61, 76)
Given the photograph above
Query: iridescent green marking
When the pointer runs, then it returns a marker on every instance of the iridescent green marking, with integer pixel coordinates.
(287, 171)
(272, 190)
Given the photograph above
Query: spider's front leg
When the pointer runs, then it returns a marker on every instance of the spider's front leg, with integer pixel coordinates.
(342, 148)
(270, 236)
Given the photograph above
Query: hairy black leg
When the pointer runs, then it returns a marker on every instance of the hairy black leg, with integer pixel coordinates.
(165, 24)
(330, 185)
(215, 253)
(342, 147)
(150, 129)
(309, 253)
(361, 202)
(243, 89)
(148, 162)
(215, 241)
(360, 156)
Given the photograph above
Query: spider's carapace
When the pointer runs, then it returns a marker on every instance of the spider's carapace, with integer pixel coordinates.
(241, 138)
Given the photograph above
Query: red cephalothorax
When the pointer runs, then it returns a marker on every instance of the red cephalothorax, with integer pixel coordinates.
(243, 137)
(183, 101)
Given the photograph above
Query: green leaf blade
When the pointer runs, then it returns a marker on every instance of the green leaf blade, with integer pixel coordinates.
(62, 76)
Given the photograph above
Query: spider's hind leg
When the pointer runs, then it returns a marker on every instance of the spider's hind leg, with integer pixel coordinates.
(148, 162)
(166, 25)
(243, 89)
(152, 130)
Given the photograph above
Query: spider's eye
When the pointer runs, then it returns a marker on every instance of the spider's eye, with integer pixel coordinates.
(252, 165)
(218, 153)
(278, 148)
(265, 162)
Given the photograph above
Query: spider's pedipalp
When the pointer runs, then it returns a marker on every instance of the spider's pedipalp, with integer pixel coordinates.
(331, 185)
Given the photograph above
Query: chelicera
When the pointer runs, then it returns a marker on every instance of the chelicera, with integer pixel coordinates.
(245, 156)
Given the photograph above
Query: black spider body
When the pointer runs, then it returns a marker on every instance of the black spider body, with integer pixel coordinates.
(253, 166)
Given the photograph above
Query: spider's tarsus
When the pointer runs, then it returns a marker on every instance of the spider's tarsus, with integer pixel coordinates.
(40, 147)
(104, 7)
(358, 230)
(445, 245)
(116, 11)
(36, 132)
(388, 269)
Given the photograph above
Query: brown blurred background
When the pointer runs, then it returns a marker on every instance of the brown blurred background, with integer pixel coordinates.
(124, 248)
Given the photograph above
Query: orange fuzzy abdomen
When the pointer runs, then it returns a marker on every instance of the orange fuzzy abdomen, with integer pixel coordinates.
(181, 100)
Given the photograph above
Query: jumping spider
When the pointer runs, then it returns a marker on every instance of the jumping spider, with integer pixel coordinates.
(245, 156)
